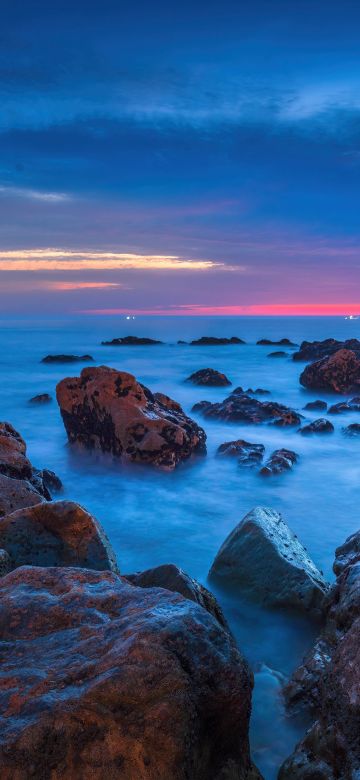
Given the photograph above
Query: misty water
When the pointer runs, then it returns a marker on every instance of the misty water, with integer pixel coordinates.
(183, 517)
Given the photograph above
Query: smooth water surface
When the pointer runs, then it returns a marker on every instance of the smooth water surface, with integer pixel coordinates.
(183, 517)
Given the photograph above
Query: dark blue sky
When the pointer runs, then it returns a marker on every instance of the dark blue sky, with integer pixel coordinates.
(221, 132)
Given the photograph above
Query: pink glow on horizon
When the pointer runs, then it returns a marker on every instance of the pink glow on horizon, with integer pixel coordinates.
(276, 310)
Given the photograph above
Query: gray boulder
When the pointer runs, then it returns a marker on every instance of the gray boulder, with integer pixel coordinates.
(265, 559)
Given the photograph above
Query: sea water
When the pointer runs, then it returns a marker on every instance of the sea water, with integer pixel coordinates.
(183, 517)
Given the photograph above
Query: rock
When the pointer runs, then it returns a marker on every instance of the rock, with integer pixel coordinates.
(280, 343)
(182, 342)
(13, 460)
(328, 682)
(279, 461)
(317, 426)
(130, 341)
(43, 398)
(345, 406)
(339, 373)
(239, 407)
(51, 480)
(109, 410)
(5, 563)
(250, 391)
(265, 560)
(352, 430)
(246, 453)
(67, 359)
(316, 406)
(316, 350)
(209, 377)
(107, 680)
(171, 578)
(212, 341)
(58, 533)
(278, 354)
(16, 493)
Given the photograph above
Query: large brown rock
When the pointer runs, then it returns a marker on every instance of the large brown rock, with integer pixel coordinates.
(17, 493)
(339, 373)
(100, 679)
(109, 410)
(56, 533)
(13, 460)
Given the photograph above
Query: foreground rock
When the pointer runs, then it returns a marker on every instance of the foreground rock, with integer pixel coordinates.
(247, 454)
(130, 341)
(239, 407)
(67, 359)
(27, 481)
(322, 425)
(316, 406)
(57, 533)
(352, 430)
(172, 578)
(339, 373)
(17, 493)
(264, 559)
(109, 410)
(13, 460)
(209, 377)
(43, 398)
(279, 461)
(104, 679)
(346, 406)
(213, 341)
(280, 343)
(328, 682)
(316, 350)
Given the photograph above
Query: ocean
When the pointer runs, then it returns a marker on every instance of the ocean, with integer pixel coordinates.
(183, 517)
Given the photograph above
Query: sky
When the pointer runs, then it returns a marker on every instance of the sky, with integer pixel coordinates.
(180, 158)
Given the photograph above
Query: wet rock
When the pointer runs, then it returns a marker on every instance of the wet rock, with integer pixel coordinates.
(250, 391)
(131, 341)
(58, 533)
(328, 682)
(13, 460)
(280, 343)
(67, 359)
(247, 454)
(5, 563)
(316, 350)
(209, 377)
(109, 410)
(17, 493)
(346, 406)
(172, 578)
(51, 481)
(279, 461)
(317, 426)
(265, 560)
(339, 373)
(43, 398)
(104, 679)
(352, 430)
(316, 406)
(239, 407)
(278, 354)
(212, 341)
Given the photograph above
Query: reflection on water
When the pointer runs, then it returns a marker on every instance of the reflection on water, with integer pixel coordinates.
(154, 518)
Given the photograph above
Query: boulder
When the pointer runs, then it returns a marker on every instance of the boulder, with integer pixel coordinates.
(264, 559)
(322, 425)
(17, 493)
(43, 398)
(109, 410)
(172, 578)
(346, 406)
(279, 461)
(58, 533)
(247, 454)
(339, 373)
(328, 682)
(352, 430)
(67, 359)
(316, 406)
(213, 341)
(277, 354)
(280, 343)
(106, 680)
(239, 407)
(315, 350)
(208, 377)
(13, 460)
(5, 563)
(130, 341)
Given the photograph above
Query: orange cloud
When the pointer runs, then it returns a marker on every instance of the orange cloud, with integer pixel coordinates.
(79, 285)
(76, 260)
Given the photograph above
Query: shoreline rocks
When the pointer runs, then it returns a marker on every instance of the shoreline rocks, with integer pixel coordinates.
(316, 350)
(21, 484)
(208, 377)
(339, 373)
(67, 359)
(131, 341)
(239, 407)
(110, 411)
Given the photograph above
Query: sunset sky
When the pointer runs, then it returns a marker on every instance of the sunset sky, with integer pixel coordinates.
(191, 157)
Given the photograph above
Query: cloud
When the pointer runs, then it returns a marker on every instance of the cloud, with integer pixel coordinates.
(23, 192)
(261, 309)
(65, 286)
(76, 260)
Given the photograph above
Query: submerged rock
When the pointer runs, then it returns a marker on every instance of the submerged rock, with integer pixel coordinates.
(209, 377)
(247, 454)
(109, 410)
(213, 341)
(278, 354)
(339, 373)
(17, 493)
(104, 679)
(316, 350)
(280, 343)
(264, 559)
(43, 398)
(239, 407)
(352, 430)
(322, 425)
(316, 406)
(279, 461)
(131, 341)
(67, 359)
(56, 533)
(346, 406)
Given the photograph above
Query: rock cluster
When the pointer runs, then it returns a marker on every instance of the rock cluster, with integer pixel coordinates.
(346, 406)
(239, 407)
(339, 373)
(109, 410)
(130, 341)
(213, 341)
(280, 343)
(67, 359)
(316, 350)
(209, 377)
